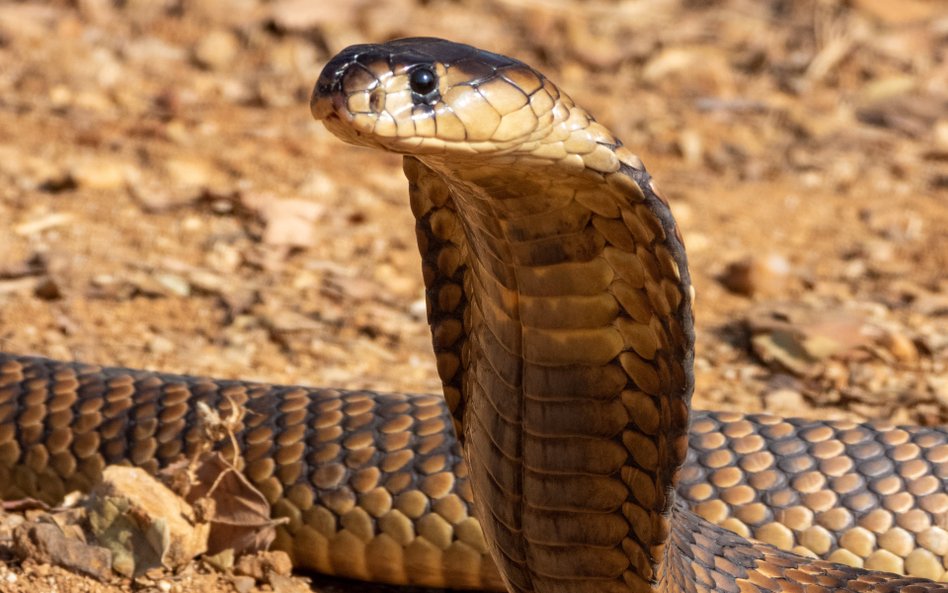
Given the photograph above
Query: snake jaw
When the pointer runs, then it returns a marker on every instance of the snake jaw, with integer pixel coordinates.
(476, 102)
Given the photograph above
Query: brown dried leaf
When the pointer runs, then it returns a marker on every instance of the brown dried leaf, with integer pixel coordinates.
(239, 513)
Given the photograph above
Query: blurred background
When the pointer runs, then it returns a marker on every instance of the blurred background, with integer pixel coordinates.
(166, 200)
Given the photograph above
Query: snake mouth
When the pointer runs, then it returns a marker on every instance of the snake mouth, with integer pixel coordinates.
(326, 105)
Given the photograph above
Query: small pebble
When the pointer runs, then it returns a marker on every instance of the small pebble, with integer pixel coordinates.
(99, 173)
(243, 584)
(758, 276)
(216, 50)
(48, 289)
(901, 347)
(784, 402)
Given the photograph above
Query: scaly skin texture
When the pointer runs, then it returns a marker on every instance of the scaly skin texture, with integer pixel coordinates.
(560, 307)
(565, 341)
(374, 486)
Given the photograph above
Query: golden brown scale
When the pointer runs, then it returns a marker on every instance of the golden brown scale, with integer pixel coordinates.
(867, 495)
(543, 450)
(723, 562)
(443, 253)
(372, 484)
(421, 526)
(560, 307)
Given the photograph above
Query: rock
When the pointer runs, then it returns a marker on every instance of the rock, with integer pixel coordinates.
(191, 172)
(99, 173)
(931, 304)
(418, 309)
(38, 225)
(701, 70)
(691, 146)
(902, 12)
(18, 285)
(262, 564)
(304, 15)
(157, 196)
(97, 11)
(889, 87)
(174, 284)
(35, 265)
(47, 289)
(900, 346)
(289, 222)
(46, 543)
(217, 49)
(223, 561)
(913, 113)
(595, 47)
(24, 21)
(319, 185)
(758, 276)
(784, 402)
(285, 584)
(143, 523)
(160, 345)
(152, 51)
(941, 137)
(798, 338)
(243, 584)
(9, 522)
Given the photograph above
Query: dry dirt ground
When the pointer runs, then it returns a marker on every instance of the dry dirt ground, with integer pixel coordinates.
(166, 200)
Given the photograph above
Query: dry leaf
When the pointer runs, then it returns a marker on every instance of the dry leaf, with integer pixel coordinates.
(239, 513)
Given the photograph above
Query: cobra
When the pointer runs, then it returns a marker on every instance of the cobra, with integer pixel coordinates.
(560, 306)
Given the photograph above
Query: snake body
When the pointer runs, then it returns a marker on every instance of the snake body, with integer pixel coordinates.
(560, 305)
(374, 486)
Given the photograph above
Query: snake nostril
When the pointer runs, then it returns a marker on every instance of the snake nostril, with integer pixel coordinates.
(377, 100)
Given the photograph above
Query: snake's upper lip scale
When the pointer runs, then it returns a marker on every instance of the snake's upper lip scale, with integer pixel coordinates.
(325, 101)
(327, 97)
(321, 107)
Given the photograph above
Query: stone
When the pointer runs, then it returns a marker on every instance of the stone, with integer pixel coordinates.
(143, 523)
(262, 564)
(758, 276)
(46, 543)
(217, 49)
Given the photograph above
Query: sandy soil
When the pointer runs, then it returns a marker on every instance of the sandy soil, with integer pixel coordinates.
(166, 200)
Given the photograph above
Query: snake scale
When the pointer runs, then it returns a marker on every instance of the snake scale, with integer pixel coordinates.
(564, 456)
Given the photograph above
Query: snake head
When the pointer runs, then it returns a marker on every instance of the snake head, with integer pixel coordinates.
(431, 96)
(448, 101)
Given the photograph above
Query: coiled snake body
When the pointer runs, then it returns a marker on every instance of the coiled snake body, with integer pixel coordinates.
(560, 306)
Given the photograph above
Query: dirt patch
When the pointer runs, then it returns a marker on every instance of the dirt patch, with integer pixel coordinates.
(166, 200)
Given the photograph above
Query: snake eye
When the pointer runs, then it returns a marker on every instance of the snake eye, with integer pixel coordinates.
(423, 81)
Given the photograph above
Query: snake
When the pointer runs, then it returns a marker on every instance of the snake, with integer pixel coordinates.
(563, 454)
